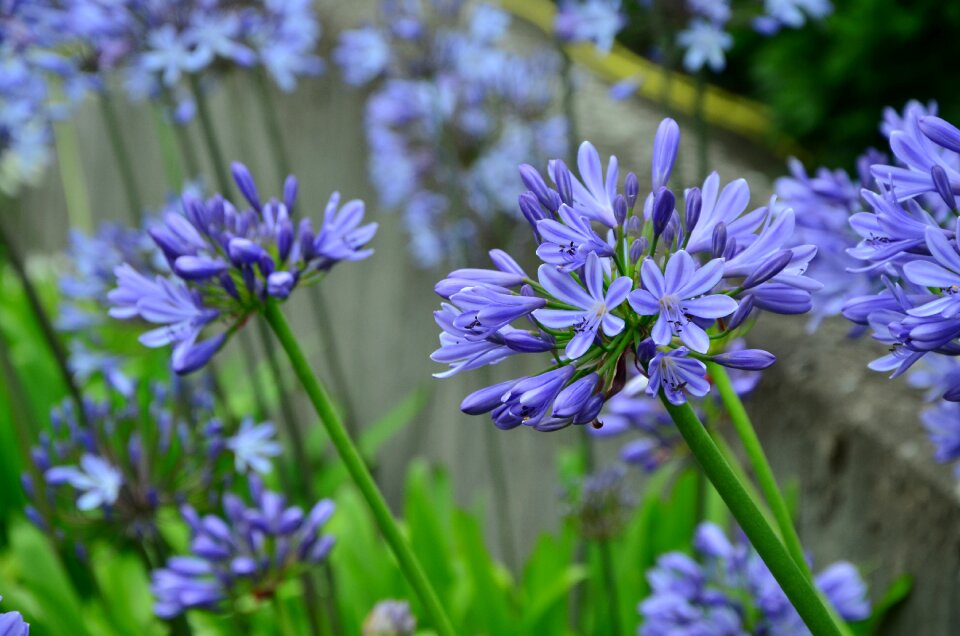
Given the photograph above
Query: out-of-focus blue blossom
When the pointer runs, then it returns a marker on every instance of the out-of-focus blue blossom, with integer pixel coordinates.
(145, 450)
(704, 43)
(823, 203)
(451, 114)
(390, 618)
(908, 252)
(791, 14)
(942, 423)
(249, 551)
(30, 65)
(363, 54)
(730, 592)
(692, 282)
(594, 21)
(225, 263)
(97, 481)
(12, 624)
(253, 447)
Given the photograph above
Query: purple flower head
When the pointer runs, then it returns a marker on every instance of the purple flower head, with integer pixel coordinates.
(728, 590)
(248, 550)
(100, 473)
(451, 114)
(225, 263)
(691, 290)
(678, 296)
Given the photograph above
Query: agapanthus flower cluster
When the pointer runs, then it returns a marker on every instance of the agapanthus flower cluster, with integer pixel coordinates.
(654, 439)
(451, 114)
(153, 448)
(626, 282)
(593, 21)
(729, 590)
(12, 624)
(227, 262)
(157, 45)
(161, 43)
(249, 551)
(908, 248)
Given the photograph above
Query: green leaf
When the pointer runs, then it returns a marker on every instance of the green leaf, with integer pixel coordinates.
(549, 561)
(490, 611)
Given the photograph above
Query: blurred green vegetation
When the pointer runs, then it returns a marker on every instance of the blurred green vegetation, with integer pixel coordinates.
(828, 83)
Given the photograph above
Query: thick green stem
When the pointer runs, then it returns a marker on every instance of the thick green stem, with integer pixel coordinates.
(121, 156)
(9, 250)
(303, 469)
(792, 579)
(358, 470)
(758, 461)
(764, 474)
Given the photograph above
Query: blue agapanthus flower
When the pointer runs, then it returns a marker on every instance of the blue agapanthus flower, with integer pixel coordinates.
(728, 590)
(226, 262)
(594, 21)
(451, 114)
(691, 283)
(248, 551)
(135, 454)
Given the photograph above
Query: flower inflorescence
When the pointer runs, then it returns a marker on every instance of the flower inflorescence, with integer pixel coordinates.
(226, 262)
(152, 448)
(248, 551)
(729, 590)
(451, 114)
(626, 282)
